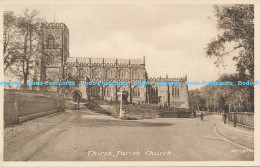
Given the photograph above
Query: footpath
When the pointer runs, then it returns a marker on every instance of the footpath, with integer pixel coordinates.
(237, 135)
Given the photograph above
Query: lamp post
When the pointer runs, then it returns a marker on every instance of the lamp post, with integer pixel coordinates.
(121, 104)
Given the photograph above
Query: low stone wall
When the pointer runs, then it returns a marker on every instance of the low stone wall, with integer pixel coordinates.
(152, 112)
(33, 116)
(138, 112)
(21, 106)
(174, 114)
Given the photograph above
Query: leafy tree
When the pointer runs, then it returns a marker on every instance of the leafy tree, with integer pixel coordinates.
(235, 96)
(10, 47)
(197, 102)
(236, 23)
(22, 38)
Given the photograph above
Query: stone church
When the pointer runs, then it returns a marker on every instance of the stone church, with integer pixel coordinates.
(56, 65)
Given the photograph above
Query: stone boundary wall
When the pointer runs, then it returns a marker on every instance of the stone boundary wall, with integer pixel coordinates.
(138, 111)
(20, 106)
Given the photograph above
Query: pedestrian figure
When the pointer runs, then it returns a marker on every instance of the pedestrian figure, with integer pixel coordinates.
(201, 116)
(225, 118)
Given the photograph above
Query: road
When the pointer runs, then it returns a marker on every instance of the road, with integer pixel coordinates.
(86, 136)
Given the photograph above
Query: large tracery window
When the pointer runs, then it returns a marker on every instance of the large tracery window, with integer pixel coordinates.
(74, 72)
(137, 74)
(81, 73)
(68, 73)
(96, 73)
(95, 90)
(123, 74)
(110, 73)
(154, 91)
(51, 42)
(108, 91)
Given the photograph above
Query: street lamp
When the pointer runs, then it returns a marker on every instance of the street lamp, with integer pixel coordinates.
(121, 104)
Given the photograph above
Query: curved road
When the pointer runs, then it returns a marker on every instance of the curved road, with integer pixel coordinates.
(87, 136)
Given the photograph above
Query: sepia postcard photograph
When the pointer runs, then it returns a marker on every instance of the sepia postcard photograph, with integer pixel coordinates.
(129, 83)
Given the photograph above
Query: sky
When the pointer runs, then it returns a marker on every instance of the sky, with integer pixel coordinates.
(172, 37)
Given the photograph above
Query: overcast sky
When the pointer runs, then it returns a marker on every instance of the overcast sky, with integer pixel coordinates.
(172, 37)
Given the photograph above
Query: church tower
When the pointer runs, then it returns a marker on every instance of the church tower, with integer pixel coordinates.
(55, 51)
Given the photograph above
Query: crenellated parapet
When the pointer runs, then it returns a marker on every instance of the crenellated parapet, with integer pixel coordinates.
(105, 62)
(55, 26)
(160, 79)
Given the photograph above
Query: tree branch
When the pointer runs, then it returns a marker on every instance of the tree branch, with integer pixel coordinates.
(235, 48)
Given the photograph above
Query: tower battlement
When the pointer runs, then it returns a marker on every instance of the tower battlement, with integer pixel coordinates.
(54, 25)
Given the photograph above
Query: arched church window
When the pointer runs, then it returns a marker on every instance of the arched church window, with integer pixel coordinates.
(136, 92)
(96, 73)
(81, 73)
(175, 90)
(122, 74)
(68, 73)
(108, 91)
(51, 42)
(110, 73)
(154, 91)
(95, 90)
(74, 72)
(137, 74)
